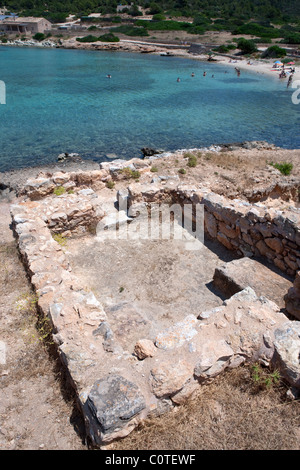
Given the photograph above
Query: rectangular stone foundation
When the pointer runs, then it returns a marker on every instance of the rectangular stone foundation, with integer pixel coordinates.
(116, 389)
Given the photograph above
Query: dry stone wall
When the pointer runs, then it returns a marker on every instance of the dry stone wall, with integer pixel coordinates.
(248, 229)
(118, 388)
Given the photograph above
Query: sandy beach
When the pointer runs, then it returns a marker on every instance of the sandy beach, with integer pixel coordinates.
(263, 67)
(259, 66)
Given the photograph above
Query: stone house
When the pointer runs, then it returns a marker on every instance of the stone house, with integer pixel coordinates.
(25, 25)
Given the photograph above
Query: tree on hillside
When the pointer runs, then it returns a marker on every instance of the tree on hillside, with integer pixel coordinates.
(246, 46)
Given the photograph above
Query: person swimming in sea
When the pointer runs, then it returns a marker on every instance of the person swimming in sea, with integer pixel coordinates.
(204, 74)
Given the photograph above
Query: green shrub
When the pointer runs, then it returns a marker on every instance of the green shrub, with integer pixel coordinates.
(274, 52)
(167, 25)
(182, 171)
(130, 30)
(246, 46)
(88, 38)
(39, 37)
(109, 37)
(192, 161)
(134, 11)
(129, 173)
(59, 191)
(255, 29)
(158, 17)
(197, 30)
(284, 168)
(110, 184)
(291, 38)
(264, 378)
(154, 169)
(223, 48)
(154, 8)
(200, 20)
(262, 41)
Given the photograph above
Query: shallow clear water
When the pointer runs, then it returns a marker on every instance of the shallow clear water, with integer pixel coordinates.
(61, 101)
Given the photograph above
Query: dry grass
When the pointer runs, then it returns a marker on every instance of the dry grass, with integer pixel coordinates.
(36, 405)
(232, 413)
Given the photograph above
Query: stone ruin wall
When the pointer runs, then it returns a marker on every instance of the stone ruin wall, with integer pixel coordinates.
(245, 228)
(188, 353)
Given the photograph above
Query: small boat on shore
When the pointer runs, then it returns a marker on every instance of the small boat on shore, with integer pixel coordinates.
(167, 54)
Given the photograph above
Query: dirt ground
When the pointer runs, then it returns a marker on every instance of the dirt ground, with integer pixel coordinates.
(234, 174)
(36, 407)
(236, 411)
(145, 286)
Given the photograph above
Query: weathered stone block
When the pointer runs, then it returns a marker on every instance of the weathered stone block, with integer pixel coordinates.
(224, 240)
(214, 357)
(238, 274)
(144, 348)
(287, 351)
(168, 378)
(113, 401)
(210, 224)
(178, 334)
(275, 244)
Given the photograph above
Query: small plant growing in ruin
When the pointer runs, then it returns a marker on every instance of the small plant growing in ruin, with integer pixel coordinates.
(110, 184)
(154, 169)
(27, 308)
(59, 191)
(62, 241)
(182, 171)
(192, 161)
(129, 173)
(284, 167)
(264, 378)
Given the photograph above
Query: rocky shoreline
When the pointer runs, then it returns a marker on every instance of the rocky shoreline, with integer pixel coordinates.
(14, 179)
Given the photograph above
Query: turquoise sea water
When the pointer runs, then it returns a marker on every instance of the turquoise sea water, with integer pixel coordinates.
(61, 101)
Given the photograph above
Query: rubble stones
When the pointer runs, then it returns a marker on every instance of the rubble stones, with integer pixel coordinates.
(38, 188)
(144, 348)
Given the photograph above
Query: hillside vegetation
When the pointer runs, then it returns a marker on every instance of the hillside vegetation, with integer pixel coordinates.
(233, 13)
